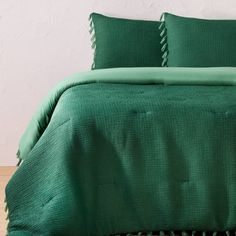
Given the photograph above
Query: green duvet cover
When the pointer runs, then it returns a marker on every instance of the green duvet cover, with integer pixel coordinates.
(129, 150)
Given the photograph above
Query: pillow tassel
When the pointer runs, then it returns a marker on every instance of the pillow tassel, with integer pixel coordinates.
(7, 212)
(163, 39)
(161, 25)
(164, 62)
(164, 55)
(93, 39)
(93, 45)
(184, 233)
(164, 46)
(163, 32)
(179, 233)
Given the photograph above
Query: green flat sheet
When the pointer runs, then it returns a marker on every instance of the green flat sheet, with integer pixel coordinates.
(129, 150)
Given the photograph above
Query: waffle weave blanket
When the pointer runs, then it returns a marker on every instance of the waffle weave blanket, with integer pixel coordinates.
(129, 150)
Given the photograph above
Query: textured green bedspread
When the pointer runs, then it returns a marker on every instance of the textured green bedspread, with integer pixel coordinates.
(128, 150)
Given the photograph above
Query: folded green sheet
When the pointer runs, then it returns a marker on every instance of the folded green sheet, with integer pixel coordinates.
(128, 150)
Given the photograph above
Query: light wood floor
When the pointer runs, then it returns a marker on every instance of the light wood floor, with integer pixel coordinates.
(5, 175)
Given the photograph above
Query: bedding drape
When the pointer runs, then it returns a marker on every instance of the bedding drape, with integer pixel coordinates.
(127, 150)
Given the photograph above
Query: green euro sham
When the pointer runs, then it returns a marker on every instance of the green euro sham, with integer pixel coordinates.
(124, 43)
(199, 42)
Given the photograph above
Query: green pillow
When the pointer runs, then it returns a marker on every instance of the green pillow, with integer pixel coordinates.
(199, 43)
(125, 43)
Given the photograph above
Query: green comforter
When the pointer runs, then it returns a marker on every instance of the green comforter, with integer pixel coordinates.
(129, 150)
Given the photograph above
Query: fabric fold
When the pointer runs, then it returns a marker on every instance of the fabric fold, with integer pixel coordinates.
(166, 76)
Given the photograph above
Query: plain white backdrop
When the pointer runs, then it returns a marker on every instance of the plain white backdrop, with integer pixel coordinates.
(43, 41)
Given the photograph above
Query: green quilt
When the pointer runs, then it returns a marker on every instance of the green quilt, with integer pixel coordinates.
(129, 150)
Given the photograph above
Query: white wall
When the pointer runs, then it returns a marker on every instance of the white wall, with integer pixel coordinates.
(42, 41)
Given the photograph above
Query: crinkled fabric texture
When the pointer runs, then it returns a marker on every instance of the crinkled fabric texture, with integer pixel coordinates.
(131, 157)
(199, 42)
(125, 43)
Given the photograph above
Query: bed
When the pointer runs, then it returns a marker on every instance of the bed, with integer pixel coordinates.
(136, 151)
